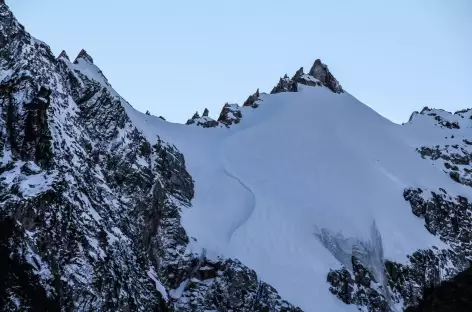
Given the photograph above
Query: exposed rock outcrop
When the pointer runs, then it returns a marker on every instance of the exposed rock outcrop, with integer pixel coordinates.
(453, 295)
(83, 55)
(230, 114)
(319, 75)
(252, 99)
(204, 121)
(321, 72)
(64, 55)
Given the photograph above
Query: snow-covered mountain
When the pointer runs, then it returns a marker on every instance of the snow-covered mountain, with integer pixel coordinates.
(304, 199)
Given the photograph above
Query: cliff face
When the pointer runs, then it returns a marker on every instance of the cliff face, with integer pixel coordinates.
(452, 295)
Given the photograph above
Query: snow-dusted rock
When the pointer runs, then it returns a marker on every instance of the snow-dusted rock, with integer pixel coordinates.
(319, 75)
(204, 121)
(230, 114)
(252, 99)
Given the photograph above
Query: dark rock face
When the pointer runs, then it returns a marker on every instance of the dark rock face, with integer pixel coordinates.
(83, 55)
(251, 100)
(455, 158)
(447, 217)
(19, 281)
(320, 71)
(89, 207)
(230, 114)
(355, 288)
(63, 54)
(285, 84)
(453, 295)
(232, 287)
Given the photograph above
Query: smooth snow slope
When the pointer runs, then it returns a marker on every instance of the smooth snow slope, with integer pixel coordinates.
(301, 163)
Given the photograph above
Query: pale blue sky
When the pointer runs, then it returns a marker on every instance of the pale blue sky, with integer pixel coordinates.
(176, 57)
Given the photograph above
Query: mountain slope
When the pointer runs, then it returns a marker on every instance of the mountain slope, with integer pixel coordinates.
(304, 194)
(300, 166)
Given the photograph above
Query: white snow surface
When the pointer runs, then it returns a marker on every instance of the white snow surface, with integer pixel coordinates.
(298, 164)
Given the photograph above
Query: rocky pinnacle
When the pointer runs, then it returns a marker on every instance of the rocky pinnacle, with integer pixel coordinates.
(83, 55)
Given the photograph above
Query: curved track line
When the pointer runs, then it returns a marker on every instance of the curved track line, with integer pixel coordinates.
(252, 206)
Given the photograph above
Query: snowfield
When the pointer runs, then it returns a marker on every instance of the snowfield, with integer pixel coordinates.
(300, 165)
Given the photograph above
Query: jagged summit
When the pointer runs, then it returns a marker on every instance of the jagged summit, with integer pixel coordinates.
(230, 114)
(298, 74)
(83, 55)
(63, 54)
(251, 100)
(204, 121)
(319, 75)
(321, 72)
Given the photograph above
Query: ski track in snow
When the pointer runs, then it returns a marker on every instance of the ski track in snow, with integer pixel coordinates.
(247, 211)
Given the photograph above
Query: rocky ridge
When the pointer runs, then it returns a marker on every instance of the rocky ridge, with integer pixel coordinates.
(319, 75)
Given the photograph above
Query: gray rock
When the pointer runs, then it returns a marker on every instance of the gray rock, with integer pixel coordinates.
(321, 72)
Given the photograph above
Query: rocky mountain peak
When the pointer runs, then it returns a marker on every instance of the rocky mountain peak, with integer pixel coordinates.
(230, 114)
(204, 121)
(83, 55)
(298, 74)
(319, 75)
(251, 100)
(321, 72)
(63, 54)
